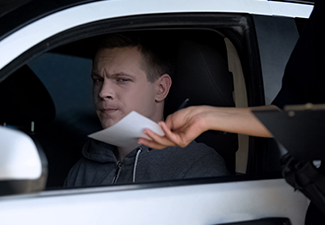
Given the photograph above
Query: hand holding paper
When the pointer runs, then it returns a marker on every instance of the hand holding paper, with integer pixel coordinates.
(127, 131)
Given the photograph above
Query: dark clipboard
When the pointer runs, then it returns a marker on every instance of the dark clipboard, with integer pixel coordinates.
(299, 128)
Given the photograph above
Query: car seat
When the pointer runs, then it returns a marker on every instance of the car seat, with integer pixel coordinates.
(202, 75)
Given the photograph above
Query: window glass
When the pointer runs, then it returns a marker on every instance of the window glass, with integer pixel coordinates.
(66, 75)
(67, 78)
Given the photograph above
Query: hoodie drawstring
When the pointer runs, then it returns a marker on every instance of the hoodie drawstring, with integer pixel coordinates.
(136, 163)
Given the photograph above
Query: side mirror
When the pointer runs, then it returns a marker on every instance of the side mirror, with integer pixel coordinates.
(23, 166)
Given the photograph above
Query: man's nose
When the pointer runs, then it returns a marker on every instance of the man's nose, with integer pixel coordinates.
(107, 90)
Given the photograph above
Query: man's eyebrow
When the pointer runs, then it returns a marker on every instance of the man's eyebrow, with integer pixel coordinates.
(123, 75)
(94, 74)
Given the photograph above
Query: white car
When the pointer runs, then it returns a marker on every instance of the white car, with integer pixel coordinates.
(46, 111)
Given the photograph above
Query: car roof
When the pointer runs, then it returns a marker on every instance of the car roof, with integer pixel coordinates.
(15, 14)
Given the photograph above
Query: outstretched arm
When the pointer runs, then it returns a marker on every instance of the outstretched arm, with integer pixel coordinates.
(185, 125)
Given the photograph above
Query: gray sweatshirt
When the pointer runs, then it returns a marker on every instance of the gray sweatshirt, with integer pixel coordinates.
(99, 166)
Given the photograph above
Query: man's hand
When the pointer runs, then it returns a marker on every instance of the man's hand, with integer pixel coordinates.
(180, 129)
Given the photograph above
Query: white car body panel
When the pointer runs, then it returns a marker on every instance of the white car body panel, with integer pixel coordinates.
(290, 10)
(193, 204)
(53, 24)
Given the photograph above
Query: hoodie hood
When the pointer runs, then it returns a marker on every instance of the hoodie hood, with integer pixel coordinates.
(99, 151)
(105, 153)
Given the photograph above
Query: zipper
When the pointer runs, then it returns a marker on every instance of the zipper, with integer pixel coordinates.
(136, 163)
(118, 171)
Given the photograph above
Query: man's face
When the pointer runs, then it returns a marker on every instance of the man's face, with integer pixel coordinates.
(121, 85)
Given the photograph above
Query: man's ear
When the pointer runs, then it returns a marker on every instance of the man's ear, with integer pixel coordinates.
(163, 84)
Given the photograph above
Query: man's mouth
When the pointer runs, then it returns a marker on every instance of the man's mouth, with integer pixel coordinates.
(108, 110)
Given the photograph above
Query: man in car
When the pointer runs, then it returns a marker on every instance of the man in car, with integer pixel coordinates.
(132, 73)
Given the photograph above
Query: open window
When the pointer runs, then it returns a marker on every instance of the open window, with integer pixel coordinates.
(63, 64)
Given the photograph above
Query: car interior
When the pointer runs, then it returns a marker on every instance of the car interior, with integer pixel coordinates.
(208, 71)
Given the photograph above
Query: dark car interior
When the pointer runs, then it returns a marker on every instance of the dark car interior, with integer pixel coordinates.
(201, 75)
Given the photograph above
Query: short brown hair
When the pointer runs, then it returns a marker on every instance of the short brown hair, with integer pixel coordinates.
(157, 58)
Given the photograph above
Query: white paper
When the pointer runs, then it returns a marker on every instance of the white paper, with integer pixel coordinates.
(127, 131)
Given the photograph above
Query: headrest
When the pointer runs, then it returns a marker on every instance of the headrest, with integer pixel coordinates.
(202, 76)
(24, 98)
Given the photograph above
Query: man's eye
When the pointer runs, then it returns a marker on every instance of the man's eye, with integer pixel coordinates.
(123, 80)
(97, 80)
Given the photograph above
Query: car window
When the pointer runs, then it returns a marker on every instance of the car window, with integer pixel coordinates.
(71, 74)
(67, 78)
(65, 71)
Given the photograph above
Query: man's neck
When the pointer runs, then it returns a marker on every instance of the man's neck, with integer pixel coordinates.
(123, 151)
